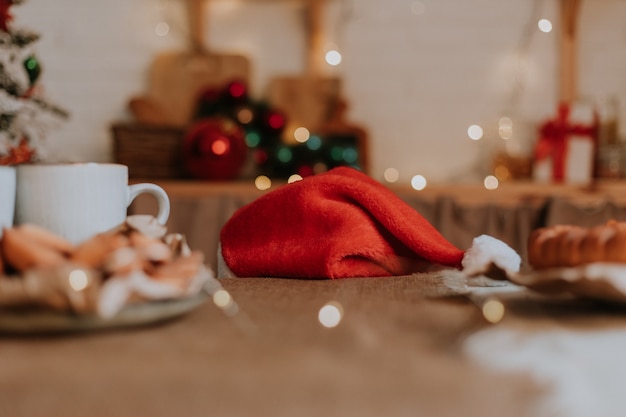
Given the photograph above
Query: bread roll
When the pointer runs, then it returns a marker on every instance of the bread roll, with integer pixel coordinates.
(569, 245)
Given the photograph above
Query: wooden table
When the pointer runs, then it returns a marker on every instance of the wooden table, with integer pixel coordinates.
(406, 346)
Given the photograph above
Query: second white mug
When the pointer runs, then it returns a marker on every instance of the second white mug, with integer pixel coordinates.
(77, 201)
(7, 196)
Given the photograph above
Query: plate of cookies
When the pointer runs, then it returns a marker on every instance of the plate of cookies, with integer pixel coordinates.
(40, 321)
(134, 274)
(583, 261)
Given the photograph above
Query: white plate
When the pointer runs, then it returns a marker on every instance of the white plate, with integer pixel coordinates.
(42, 321)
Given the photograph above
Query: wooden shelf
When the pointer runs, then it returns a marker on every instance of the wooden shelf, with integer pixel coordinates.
(509, 193)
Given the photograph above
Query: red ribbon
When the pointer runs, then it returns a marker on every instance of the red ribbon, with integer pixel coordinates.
(18, 155)
(553, 137)
(5, 16)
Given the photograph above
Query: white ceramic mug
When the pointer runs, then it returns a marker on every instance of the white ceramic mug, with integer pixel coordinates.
(7, 196)
(77, 201)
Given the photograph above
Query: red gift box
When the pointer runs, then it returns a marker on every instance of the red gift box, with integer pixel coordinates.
(565, 151)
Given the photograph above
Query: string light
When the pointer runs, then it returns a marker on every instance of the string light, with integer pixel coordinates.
(475, 132)
(505, 128)
(301, 134)
(491, 182)
(350, 155)
(294, 178)
(262, 183)
(237, 89)
(253, 139)
(333, 57)
(502, 173)
(284, 154)
(391, 175)
(314, 142)
(418, 182)
(245, 115)
(220, 147)
(518, 81)
(276, 121)
(545, 25)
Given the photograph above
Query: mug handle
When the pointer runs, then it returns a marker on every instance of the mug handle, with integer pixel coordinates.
(159, 193)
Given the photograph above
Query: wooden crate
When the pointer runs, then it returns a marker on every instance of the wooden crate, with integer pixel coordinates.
(149, 151)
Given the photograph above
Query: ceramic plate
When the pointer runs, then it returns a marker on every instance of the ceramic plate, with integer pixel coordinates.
(604, 281)
(41, 321)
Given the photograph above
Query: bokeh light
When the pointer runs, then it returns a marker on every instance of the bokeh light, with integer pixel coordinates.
(505, 128)
(245, 115)
(220, 147)
(502, 173)
(314, 142)
(331, 314)
(276, 121)
(284, 155)
(418, 182)
(222, 299)
(475, 132)
(545, 25)
(391, 175)
(333, 57)
(294, 178)
(237, 89)
(253, 139)
(78, 280)
(491, 182)
(301, 134)
(493, 311)
(262, 183)
(350, 155)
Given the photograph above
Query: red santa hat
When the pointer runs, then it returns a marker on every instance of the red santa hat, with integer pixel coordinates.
(338, 224)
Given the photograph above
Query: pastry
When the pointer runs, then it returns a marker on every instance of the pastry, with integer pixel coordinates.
(93, 252)
(569, 245)
(22, 252)
(46, 238)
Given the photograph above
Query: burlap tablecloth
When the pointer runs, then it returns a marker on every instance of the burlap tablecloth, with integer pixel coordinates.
(397, 352)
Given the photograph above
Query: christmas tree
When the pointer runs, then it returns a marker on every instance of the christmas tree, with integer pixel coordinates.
(264, 131)
(25, 115)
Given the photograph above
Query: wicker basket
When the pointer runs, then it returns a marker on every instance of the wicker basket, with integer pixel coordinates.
(149, 151)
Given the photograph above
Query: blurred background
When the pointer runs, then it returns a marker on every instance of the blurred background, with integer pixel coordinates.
(415, 75)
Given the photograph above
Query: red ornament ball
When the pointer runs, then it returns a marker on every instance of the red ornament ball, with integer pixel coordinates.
(214, 148)
(237, 89)
(275, 120)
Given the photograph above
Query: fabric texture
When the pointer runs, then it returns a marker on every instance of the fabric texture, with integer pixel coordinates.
(338, 224)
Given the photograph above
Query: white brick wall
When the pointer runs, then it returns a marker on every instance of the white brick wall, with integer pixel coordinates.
(415, 81)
